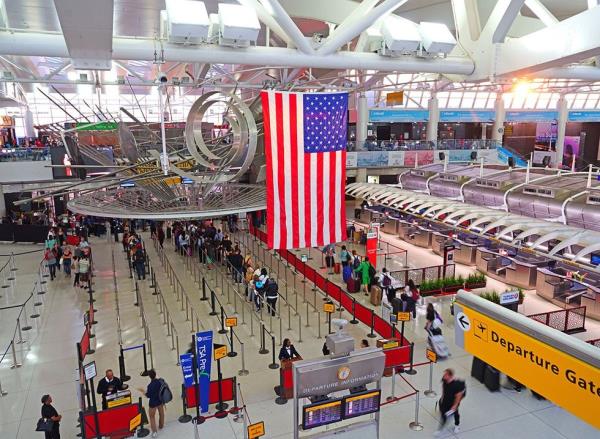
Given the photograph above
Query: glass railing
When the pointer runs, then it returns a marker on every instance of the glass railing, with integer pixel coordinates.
(418, 145)
(22, 154)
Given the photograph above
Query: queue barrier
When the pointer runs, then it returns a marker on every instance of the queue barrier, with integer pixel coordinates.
(228, 392)
(335, 292)
(595, 342)
(111, 422)
(569, 321)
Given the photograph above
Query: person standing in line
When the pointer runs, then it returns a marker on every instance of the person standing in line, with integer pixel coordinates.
(364, 270)
(139, 263)
(453, 392)
(272, 294)
(160, 234)
(49, 412)
(67, 255)
(152, 392)
(75, 268)
(107, 386)
(50, 257)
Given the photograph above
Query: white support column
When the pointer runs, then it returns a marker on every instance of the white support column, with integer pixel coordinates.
(28, 123)
(361, 177)
(2, 204)
(434, 118)
(362, 122)
(484, 131)
(498, 129)
(563, 111)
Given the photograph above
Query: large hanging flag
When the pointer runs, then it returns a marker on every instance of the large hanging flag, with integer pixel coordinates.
(305, 148)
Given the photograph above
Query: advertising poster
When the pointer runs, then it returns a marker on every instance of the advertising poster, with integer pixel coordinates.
(571, 150)
(204, 343)
(424, 158)
(372, 248)
(351, 159)
(396, 158)
(187, 368)
(372, 159)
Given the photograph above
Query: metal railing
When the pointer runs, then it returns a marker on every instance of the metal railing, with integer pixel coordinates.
(24, 154)
(568, 321)
(418, 145)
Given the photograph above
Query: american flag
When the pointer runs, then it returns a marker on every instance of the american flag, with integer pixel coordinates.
(305, 148)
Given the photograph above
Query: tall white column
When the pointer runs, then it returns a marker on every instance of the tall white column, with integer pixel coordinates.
(483, 131)
(563, 113)
(28, 123)
(434, 118)
(2, 204)
(362, 121)
(498, 128)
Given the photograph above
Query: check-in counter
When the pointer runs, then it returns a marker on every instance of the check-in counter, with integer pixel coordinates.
(390, 226)
(465, 252)
(556, 287)
(405, 230)
(439, 241)
(422, 237)
(518, 270)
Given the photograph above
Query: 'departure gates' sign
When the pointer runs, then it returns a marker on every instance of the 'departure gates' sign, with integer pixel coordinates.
(559, 376)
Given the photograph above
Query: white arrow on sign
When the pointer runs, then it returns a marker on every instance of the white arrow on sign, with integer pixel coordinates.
(463, 321)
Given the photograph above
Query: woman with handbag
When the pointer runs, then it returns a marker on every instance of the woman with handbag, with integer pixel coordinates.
(49, 423)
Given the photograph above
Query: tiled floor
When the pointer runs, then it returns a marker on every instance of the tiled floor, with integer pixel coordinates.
(49, 359)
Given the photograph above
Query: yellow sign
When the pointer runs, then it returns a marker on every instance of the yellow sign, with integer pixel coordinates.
(256, 430)
(185, 165)
(231, 322)
(147, 167)
(118, 402)
(172, 181)
(390, 345)
(559, 377)
(7, 121)
(403, 316)
(328, 307)
(220, 352)
(135, 422)
(431, 356)
(394, 98)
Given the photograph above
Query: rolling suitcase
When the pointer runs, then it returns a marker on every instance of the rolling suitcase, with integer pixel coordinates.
(347, 273)
(353, 285)
(438, 344)
(337, 268)
(491, 379)
(375, 297)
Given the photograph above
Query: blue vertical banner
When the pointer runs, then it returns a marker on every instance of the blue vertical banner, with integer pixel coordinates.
(187, 368)
(204, 343)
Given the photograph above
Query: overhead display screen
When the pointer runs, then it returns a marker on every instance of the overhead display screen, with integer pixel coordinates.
(321, 413)
(361, 404)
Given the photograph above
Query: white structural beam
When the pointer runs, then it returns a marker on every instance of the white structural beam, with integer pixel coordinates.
(584, 73)
(267, 19)
(501, 19)
(466, 19)
(36, 44)
(541, 12)
(568, 41)
(356, 24)
(287, 24)
(87, 26)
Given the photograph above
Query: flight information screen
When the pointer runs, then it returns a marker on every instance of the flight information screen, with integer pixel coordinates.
(361, 404)
(321, 413)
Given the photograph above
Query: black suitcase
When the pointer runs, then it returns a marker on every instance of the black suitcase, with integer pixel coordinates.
(491, 379)
(478, 369)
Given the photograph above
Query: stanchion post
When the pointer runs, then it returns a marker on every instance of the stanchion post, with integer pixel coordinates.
(203, 289)
(416, 425)
(263, 349)
(354, 321)
(274, 364)
(221, 406)
(185, 418)
(372, 333)
(222, 330)
(212, 304)
(430, 392)
(411, 371)
(232, 352)
(144, 373)
(123, 373)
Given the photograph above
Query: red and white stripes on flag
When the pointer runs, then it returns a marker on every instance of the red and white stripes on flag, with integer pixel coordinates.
(306, 178)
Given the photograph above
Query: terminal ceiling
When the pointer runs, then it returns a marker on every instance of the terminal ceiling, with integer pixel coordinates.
(544, 39)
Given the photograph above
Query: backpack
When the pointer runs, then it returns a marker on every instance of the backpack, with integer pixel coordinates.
(164, 393)
(372, 271)
(356, 262)
(415, 294)
(386, 280)
(138, 255)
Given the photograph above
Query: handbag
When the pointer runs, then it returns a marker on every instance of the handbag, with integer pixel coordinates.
(45, 424)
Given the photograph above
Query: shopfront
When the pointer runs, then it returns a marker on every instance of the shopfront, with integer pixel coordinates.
(7, 130)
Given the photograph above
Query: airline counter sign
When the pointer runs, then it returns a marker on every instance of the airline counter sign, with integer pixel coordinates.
(561, 378)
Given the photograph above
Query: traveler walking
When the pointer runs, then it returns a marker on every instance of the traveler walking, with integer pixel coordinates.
(49, 412)
(365, 270)
(453, 392)
(152, 392)
(50, 257)
(67, 256)
(75, 268)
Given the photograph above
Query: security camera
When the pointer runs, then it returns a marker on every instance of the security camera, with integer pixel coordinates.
(162, 78)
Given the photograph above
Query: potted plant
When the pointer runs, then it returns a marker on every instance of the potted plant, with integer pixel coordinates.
(475, 280)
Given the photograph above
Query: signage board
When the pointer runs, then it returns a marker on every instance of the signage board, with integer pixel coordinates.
(101, 126)
(361, 404)
(203, 355)
(220, 351)
(398, 115)
(431, 355)
(231, 322)
(531, 116)
(467, 116)
(403, 316)
(389, 344)
(317, 378)
(321, 413)
(256, 430)
(187, 368)
(120, 398)
(584, 116)
(304, 258)
(394, 98)
(328, 307)
(509, 297)
(89, 370)
(559, 367)
(135, 422)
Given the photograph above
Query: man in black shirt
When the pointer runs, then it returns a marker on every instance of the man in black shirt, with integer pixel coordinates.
(107, 386)
(49, 412)
(453, 391)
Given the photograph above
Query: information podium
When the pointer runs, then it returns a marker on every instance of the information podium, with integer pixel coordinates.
(286, 378)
